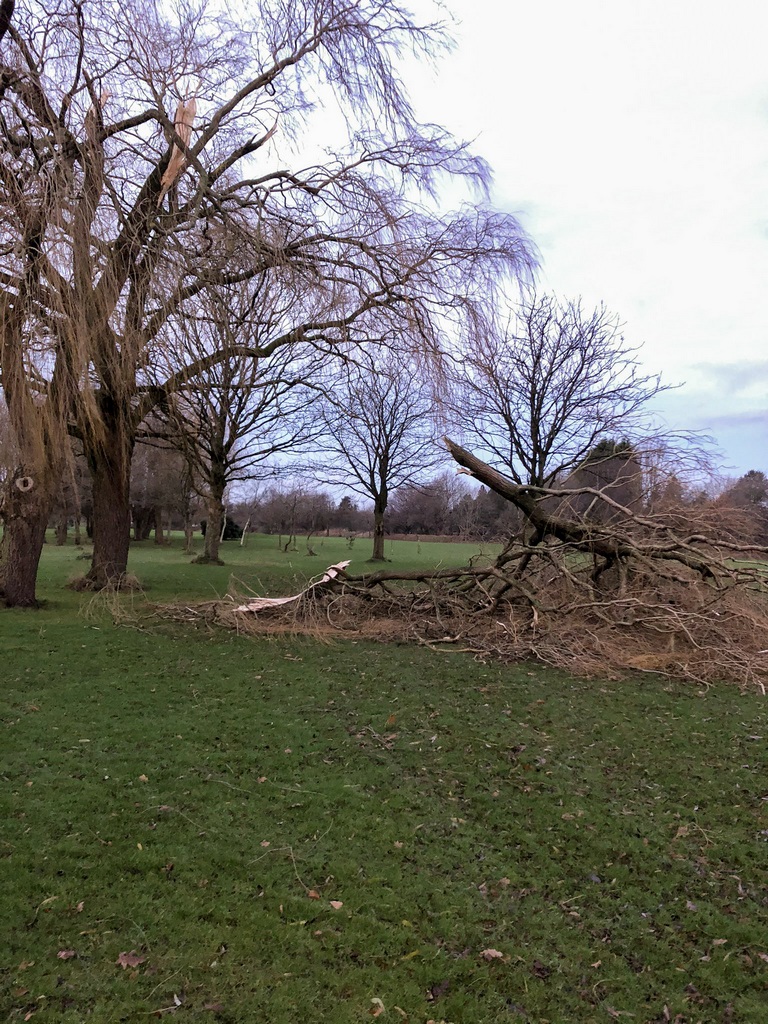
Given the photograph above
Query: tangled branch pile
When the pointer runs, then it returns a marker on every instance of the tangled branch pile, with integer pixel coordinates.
(594, 595)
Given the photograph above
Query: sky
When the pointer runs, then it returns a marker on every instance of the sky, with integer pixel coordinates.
(631, 139)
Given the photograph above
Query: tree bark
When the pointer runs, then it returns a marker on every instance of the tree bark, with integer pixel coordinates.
(110, 464)
(378, 532)
(143, 520)
(39, 435)
(215, 506)
(25, 515)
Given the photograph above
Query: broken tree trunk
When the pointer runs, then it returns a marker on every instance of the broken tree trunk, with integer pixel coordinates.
(624, 591)
(610, 541)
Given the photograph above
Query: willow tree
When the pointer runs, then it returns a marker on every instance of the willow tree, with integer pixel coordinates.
(37, 384)
(151, 137)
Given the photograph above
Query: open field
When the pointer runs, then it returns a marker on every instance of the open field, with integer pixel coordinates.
(224, 829)
(166, 572)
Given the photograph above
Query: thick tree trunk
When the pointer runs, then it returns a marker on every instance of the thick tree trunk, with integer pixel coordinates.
(25, 515)
(143, 521)
(378, 532)
(110, 465)
(605, 540)
(37, 430)
(215, 507)
(213, 529)
(189, 530)
(78, 534)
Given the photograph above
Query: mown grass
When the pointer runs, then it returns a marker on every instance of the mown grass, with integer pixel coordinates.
(166, 572)
(199, 799)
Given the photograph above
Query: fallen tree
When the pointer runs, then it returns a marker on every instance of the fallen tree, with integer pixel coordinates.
(594, 595)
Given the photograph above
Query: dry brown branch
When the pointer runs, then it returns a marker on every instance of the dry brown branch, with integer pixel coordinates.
(674, 629)
(592, 598)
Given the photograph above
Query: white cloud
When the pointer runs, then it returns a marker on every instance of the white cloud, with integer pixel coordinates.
(633, 138)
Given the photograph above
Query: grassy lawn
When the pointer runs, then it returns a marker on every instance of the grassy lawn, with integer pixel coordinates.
(233, 830)
(261, 564)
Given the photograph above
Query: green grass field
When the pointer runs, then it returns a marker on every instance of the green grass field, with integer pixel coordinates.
(209, 827)
(166, 572)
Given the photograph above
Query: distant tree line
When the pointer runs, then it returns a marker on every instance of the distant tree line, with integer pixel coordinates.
(164, 498)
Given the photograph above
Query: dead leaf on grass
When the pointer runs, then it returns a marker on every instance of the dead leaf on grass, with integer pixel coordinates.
(337, 904)
(313, 894)
(66, 954)
(438, 990)
(132, 959)
(215, 1007)
(492, 954)
(377, 1008)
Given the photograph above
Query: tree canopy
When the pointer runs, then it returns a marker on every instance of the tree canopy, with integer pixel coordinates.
(150, 154)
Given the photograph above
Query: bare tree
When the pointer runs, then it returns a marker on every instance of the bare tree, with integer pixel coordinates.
(160, 485)
(35, 452)
(435, 507)
(748, 496)
(536, 397)
(135, 175)
(379, 431)
(243, 411)
(288, 507)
